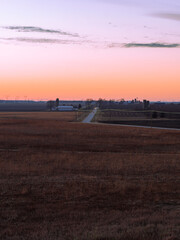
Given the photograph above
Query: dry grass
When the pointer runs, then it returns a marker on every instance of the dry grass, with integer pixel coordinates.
(142, 118)
(60, 116)
(63, 180)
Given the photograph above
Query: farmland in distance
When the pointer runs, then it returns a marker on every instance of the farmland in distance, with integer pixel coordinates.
(142, 118)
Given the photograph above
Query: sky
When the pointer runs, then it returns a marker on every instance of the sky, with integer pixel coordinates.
(79, 49)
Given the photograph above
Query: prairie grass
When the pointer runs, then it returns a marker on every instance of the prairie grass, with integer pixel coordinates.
(60, 116)
(62, 180)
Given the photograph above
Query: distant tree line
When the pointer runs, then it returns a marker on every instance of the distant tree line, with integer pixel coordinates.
(122, 104)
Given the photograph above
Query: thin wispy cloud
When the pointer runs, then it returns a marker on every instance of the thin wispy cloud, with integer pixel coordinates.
(78, 41)
(32, 29)
(152, 45)
(52, 36)
(171, 16)
(92, 43)
(144, 45)
(41, 40)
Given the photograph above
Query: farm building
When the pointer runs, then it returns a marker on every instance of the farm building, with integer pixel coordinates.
(65, 108)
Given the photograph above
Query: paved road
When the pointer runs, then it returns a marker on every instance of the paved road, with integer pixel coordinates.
(89, 118)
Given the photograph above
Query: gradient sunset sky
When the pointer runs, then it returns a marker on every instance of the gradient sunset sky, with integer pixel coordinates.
(79, 49)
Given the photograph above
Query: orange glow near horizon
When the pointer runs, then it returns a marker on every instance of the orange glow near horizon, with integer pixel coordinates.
(76, 72)
(90, 49)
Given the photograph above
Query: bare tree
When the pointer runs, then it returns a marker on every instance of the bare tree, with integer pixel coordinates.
(57, 102)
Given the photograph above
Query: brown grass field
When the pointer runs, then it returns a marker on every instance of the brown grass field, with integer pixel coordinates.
(141, 118)
(73, 181)
(60, 116)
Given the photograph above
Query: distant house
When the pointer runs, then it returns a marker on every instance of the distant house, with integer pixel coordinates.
(65, 108)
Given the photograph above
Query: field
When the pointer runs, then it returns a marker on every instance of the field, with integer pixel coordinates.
(72, 181)
(60, 116)
(140, 118)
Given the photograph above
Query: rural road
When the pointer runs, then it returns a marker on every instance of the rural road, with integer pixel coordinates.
(89, 118)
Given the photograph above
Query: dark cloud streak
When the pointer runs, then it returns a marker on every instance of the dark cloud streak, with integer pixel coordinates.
(80, 42)
(152, 45)
(41, 40)
(32, 29)
(144, 45)
(171, 16)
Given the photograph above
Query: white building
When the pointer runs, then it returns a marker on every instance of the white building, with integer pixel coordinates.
(65, 108)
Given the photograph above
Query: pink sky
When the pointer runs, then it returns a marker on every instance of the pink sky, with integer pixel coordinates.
(81, 52)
